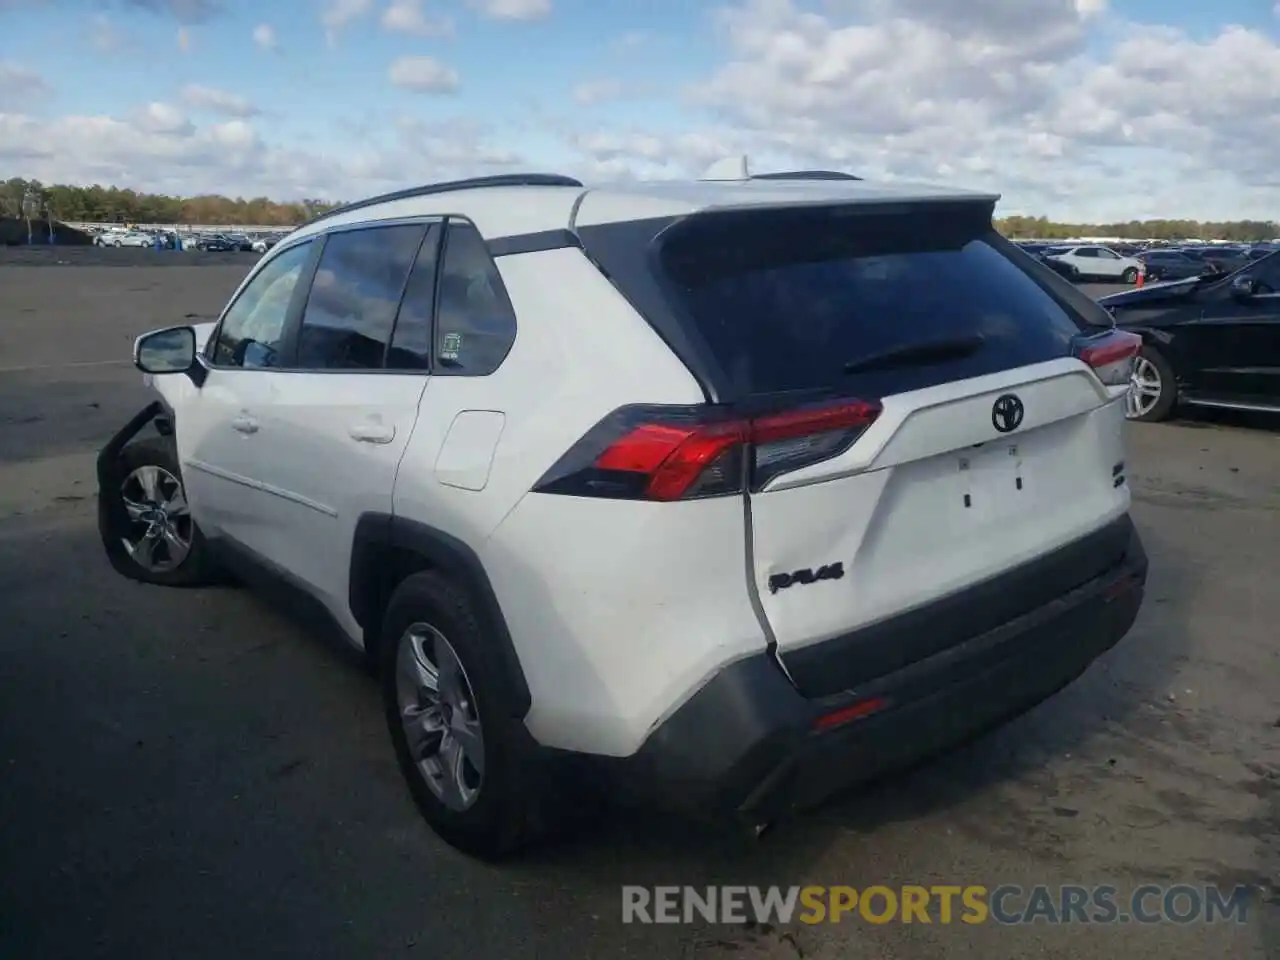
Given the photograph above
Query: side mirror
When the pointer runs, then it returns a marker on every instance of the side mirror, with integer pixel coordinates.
(172, 350)
(1243, 286)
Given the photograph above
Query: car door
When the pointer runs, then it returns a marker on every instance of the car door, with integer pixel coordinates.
(1108, 263)
(220, 443)
(338, 418)
(1084, 259)
(1236, 342)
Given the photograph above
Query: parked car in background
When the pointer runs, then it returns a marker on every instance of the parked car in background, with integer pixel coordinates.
(1169, 265)
(1093, 262)
(1218, 259)
(1212, 341)
(263, 244)
(217, 244)
(130, 238)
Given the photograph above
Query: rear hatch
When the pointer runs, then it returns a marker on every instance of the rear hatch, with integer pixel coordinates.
(968, 439)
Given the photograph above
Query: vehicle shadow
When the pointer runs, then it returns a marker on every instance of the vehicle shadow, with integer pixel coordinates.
(1204, 417)
(261, 759)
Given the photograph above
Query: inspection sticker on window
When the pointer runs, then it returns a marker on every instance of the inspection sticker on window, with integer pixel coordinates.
(451, 346)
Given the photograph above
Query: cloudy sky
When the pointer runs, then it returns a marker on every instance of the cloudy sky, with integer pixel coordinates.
(1078, 109)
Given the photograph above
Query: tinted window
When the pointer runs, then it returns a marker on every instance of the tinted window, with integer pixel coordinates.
(1086, 252)
(1108, 254)
(352, 303)
(475, 323)
(1267, 271)
(252, 328)
(785, 304)
(411, 343)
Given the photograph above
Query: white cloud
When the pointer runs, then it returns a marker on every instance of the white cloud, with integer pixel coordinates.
(408, 16)
(217, 101)
(999, 94)
(164, 119)
(337, 14)
(512, 9)
(157, 149)
(1060, 105)
(264, 35)
(423, 75)
(20, 85)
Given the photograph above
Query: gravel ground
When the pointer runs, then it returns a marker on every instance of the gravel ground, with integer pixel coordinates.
(191, 774)
(39, 256)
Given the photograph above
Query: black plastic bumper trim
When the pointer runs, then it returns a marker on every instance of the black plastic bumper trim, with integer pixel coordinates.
(856, 658)
(744, 746)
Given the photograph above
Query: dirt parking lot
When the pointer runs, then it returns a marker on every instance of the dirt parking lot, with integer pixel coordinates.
(191, 774)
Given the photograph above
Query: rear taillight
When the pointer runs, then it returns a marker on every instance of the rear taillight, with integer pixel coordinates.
(683, 453)
(1111, 355)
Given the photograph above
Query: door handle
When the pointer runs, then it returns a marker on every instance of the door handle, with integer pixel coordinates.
(371, 433)
(244, 424)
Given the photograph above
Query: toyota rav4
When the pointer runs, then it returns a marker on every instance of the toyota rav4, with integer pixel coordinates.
(725, 494)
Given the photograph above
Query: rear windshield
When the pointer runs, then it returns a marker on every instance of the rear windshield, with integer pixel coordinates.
(785, 301)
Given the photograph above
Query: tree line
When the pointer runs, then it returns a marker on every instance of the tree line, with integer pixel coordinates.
(1042, 228)
(34, 200)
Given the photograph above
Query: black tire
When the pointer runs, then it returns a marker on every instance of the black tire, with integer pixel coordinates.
(1168, 401)
(197, 568)
(1130, 276)
(506, 815)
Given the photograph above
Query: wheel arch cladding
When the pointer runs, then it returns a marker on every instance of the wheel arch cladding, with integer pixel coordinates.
(108, 461)
(380, 537)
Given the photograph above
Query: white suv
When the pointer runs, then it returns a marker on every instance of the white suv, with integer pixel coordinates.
(725, 494)
(1098, 263)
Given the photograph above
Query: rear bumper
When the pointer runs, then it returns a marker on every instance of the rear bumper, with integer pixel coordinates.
(746, 746)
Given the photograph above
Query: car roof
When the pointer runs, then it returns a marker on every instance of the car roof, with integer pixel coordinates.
(514, 204)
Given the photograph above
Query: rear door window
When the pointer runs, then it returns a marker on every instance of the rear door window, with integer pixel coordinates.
(351, 308)
(786, 301)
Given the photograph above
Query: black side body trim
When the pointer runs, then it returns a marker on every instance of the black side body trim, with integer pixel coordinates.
(378, 532)
(855, 659)
(110, 508)
(533, 242)
(476, 183)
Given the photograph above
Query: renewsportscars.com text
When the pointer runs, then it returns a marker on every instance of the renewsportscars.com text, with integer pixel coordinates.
(969, 904)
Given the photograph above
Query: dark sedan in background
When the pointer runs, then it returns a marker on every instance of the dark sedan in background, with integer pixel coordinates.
(1220, 259)
(1211, 341)
(1171, 265)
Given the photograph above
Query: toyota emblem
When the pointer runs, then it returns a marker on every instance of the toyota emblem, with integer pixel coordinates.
(1007, 413)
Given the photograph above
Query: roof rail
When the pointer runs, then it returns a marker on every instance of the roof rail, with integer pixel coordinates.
(805, 175)
(475, 183)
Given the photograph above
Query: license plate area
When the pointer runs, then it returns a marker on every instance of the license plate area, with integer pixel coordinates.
(992, 482)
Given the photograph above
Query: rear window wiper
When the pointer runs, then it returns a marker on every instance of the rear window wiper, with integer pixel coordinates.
(918, 354)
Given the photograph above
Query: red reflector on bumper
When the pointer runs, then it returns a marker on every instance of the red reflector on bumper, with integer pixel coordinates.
(855, 711)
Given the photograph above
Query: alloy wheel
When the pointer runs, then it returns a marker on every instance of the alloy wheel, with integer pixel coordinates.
(439, 715)
(160, 525)
(1145, 388)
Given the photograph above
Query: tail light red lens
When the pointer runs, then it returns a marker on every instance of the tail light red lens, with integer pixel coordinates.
(1111, 355)
(665, 453)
